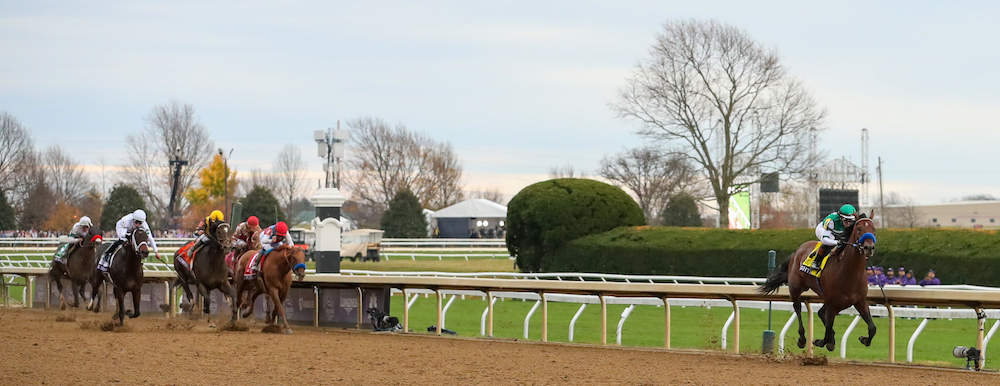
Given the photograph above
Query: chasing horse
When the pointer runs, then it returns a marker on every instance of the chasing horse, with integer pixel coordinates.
(833, 268)
(206, 267)
(75, 260)
(270, 271)
(121, 264)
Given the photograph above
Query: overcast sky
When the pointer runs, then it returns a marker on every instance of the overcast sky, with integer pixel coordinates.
(516, 87)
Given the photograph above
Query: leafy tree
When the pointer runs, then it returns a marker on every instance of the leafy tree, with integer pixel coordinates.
(405, 217)
(122, 200)
(213, 181)
(544, 216)
(7, 221)
(681, 211)
(260, 202)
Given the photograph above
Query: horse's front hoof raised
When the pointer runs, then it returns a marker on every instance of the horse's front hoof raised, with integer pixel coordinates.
(186, 306)
(802, 342)
(865, 340)
(830, 346)
(819, 343)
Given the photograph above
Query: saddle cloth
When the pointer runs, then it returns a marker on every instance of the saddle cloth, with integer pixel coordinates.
(60, 255)
(249, 273)
(808, 262)
(185, 256)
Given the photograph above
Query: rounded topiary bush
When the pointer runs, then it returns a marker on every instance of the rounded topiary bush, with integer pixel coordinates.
(543, 217)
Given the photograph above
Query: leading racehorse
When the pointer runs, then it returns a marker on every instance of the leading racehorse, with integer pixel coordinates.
(77, 267)
(209, 271)
(274, 280)
(126, 275)
(843, 282)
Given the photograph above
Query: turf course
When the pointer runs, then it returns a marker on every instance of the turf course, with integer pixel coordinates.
(693, 328)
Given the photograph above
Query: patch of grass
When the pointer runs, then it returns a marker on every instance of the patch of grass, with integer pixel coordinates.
(482, 265)
(693, 328)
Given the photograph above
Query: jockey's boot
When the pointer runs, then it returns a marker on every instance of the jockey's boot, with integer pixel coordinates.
(256, 263)
(824, 251)
(105, 262)
(197, 247)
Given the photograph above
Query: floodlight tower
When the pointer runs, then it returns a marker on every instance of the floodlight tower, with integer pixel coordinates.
(176, 164)
(865, 175)
(330, 145)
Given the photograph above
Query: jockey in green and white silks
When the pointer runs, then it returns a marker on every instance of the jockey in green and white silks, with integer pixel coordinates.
(832, 231)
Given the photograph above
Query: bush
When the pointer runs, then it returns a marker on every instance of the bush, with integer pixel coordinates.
(681, 211)
(543, 217)
(7, 221)
(958, 256)
(122, 200)
(404, 217)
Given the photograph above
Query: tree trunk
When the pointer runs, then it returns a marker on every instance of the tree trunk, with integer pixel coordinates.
(723, 202)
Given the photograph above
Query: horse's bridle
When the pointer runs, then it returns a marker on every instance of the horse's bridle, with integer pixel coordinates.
(288, 259)
(867, 252)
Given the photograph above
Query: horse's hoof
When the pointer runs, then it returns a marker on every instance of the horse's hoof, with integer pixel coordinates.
(211, 325)
(830, 346)
(802, 342)
(62, 306)
(819, 343)
(288, 331)
(133, 316)
(865, 340)
(186, 307)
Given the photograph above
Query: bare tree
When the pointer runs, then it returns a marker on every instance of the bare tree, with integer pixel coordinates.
(494, 194)
(65, 176)
(650, 174)
(255, 178)
(290, 173)
(726, 100)
(173, 130)
(16, 153)
(442, 184)
(385, 159)
(565, 172)
(901, 212)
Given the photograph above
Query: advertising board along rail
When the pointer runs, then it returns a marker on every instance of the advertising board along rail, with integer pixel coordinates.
(549, 286)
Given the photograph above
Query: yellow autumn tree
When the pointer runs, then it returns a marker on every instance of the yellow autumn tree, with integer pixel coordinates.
(62, 218)
(212, 185)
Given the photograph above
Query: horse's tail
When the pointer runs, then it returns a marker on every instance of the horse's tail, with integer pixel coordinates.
(775, 280)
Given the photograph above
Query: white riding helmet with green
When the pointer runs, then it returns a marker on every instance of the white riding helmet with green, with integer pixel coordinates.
(847, 213)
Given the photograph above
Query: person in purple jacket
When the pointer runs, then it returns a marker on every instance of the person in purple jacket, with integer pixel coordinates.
(908, 279)
(879, 277)
(930, 279)
(890, 276)
(871, 276)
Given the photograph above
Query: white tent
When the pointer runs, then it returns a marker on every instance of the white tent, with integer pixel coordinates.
(471, 218)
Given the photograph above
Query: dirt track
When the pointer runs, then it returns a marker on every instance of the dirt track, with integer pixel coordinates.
(37, 349)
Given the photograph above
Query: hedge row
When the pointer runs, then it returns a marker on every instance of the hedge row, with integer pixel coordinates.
(957, 256)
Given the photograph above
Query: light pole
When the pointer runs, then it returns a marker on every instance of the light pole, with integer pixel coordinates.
(225, 180)
(331, 147)
(176, 164)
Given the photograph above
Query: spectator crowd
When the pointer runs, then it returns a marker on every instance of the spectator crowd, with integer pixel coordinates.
(878, 276)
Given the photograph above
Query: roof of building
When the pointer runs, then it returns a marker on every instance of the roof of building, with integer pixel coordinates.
(473, 208)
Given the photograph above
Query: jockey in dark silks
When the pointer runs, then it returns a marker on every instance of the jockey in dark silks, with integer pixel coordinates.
(832, 232)
(208, 228)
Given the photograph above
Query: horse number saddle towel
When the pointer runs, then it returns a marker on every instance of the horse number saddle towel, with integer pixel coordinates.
(808, 262)
(60, 255)
(249, 273)
(185, 255)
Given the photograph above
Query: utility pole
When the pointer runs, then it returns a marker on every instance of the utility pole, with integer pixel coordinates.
(176, 163)
(225, 181)
(881, 197)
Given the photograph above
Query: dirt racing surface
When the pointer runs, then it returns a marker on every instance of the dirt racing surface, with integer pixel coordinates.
(36, 349)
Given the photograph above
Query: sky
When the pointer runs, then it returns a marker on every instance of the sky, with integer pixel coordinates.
(516, 87)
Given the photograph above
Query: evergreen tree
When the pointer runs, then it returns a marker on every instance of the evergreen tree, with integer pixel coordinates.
(681, 211)
(122, 200)
(260, 202)
(7, 221)
(405, 217)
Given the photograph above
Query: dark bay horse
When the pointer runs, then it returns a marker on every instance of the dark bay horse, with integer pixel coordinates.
(208, 272)
(126, 275)
(843, 282)
(78, 268)
(274, 280)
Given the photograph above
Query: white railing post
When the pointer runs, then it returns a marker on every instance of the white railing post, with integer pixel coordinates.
(572, 322)
(444, 313)
(847, 333)
(621, 323)
(527, 319)
(784, 331)
(725, 328)
(989, 336)
(913, 339)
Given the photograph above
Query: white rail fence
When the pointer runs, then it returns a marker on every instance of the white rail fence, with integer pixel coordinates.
(608, 289)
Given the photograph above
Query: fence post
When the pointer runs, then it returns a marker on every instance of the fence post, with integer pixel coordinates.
(809, 330)
(437, 292)
(736, 328)
(980, 336)
(361, 302)
(604, 319)
(315, 306)
(406, 312)
(892, 333)
(666, 322)
(489, 305)
(545, 318)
